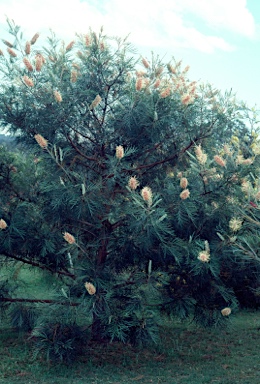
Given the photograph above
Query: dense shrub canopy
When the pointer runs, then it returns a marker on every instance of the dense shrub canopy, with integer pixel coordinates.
(138, 191)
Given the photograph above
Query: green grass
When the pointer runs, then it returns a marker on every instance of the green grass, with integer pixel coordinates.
(31, 282)
(187, 355)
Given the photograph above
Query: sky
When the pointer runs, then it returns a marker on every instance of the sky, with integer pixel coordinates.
(219, 39)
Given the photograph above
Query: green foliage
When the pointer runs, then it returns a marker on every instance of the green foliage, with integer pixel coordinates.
(59, 342)
(137, 191)
(23, 317)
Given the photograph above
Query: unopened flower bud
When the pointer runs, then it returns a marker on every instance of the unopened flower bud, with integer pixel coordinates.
(90, 288)
(157, 83)
(145, 63)
(28, 81)
(184, 182)
(43, 143)
(119, 152)
(10, 45)
(11, 52)
(69, 46)
(69, 238)
(87, 40)
(73, 76)
(226, 311)
(139, 84)
(38, 62)
(28, 48)
(57, 96)
(28, 64)
(185, 194)
(34, 39)
(146, 193)
(3, 224)
(220, 161)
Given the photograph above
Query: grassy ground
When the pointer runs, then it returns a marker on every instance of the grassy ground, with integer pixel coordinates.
(188, 355)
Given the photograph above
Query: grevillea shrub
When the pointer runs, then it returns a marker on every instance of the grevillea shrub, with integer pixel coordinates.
(138, 193)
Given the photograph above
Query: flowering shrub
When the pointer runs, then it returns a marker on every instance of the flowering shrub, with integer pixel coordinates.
(145, 192)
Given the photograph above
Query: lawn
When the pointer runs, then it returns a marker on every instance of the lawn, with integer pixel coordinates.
(187, 355)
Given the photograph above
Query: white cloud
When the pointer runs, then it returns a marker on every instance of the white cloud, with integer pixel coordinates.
(64, 17)
(231, 15)
(157, 23)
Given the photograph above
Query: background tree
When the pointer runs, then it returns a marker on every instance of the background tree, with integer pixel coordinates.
(132, 194)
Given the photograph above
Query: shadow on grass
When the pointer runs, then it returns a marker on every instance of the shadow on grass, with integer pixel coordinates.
(186, 355)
